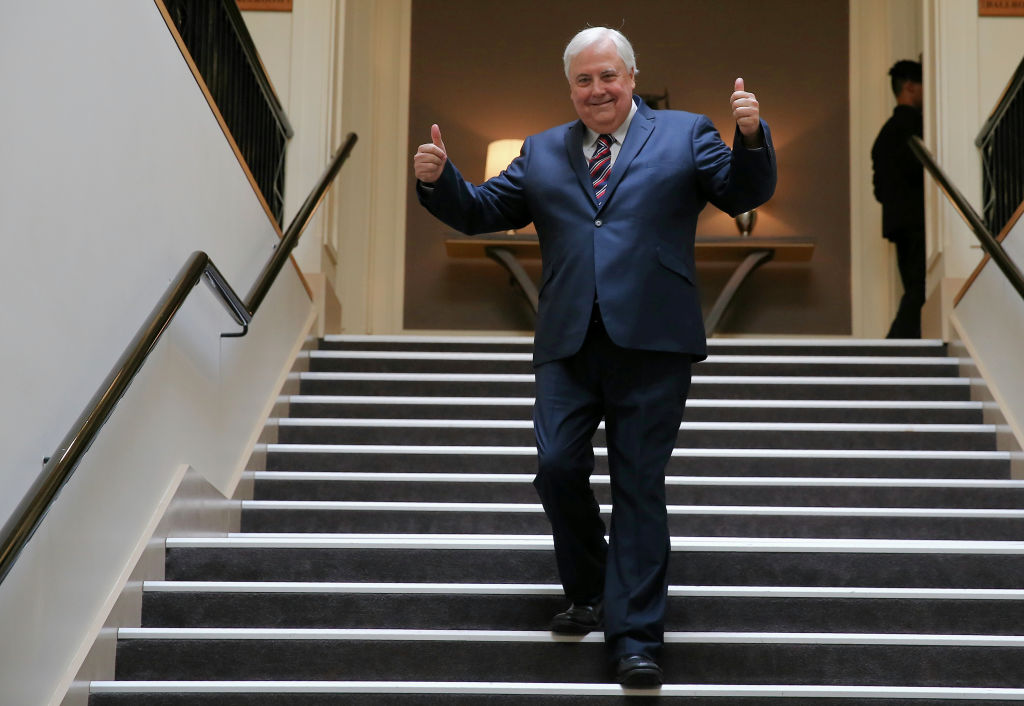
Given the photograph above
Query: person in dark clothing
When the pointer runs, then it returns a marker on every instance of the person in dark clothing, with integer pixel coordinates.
(899, 187)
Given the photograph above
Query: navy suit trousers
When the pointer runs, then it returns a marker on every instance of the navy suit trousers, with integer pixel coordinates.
(641, 395)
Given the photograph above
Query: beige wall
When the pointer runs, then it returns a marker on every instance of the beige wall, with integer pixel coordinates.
(489, 78)
(345, 64)
(1000, 51)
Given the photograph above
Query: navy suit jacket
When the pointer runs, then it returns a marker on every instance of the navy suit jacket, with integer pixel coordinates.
(635, 252)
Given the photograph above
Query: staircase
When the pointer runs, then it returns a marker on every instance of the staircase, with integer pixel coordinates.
(844, 532)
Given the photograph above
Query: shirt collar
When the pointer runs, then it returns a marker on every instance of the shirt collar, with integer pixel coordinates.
(620, 133)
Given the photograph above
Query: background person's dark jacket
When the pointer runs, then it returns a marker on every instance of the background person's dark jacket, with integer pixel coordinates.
(898, 176)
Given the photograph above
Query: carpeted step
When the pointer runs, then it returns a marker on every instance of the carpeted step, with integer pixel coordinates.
(734, 435)
(529, 559)
(502, 656)
(716, 346)
(530, 607)
(697, 490)
(521, 363)
(697, 410)
(698, 462)
(683, 520)
(702, 387)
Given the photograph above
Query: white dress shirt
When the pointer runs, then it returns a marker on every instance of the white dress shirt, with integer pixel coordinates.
(590, 139)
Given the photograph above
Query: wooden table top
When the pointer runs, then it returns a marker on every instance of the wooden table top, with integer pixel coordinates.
(710, 248)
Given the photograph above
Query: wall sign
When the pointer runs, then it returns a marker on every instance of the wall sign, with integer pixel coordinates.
(265, 5)
(1001, 8)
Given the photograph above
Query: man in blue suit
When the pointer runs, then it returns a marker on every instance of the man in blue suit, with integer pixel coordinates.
(615, 198)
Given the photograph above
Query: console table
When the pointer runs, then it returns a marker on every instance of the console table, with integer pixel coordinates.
(748, 252)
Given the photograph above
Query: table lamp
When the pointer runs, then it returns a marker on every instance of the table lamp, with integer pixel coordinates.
(500, 154)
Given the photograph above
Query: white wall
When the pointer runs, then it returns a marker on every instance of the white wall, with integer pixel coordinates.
(114, 170)
(990, 317)
(990, 322)
(1000, 51)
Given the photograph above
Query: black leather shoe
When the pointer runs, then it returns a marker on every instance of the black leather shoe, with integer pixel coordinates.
(638, 672)
(578, 620)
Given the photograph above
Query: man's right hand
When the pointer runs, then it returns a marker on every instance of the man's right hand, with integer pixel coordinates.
(428, 162)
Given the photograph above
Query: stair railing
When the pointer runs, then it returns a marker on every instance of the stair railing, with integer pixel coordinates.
(218, 42)
(1001, 141)
(60, 466)
(992, 247)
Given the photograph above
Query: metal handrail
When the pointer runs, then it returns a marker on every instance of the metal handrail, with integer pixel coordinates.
(989, 244)
(61, 465)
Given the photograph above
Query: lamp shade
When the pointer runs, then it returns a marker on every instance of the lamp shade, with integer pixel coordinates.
(500, 154)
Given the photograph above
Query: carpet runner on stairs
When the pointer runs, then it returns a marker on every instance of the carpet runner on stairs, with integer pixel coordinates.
(844, 532)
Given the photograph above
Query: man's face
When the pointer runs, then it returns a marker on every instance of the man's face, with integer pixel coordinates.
(911, 93)
(916, 94)
(601, 87)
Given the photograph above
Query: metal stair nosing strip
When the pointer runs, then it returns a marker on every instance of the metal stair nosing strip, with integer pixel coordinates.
(602, 451)
(537, 509)
(832, 427)
(544, 636)
(399, 400)
(794, 359)
(782, 342)
(792, 380)
(544, 543)
(505, 589)
(600, 479)
(744, 691)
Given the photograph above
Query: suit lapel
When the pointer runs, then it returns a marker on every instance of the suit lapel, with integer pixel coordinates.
(640, 129)
(574, 149)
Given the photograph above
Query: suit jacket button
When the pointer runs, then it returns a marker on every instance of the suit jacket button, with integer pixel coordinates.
(598, 222)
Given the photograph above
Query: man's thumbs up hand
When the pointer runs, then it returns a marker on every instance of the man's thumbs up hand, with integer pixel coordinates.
(747, 114)
(429, 160)
(435, 137)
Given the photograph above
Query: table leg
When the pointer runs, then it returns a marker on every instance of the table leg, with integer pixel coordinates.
(749, 264)
(526, 286)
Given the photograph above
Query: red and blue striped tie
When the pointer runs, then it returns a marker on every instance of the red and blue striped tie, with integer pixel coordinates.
(600, 165)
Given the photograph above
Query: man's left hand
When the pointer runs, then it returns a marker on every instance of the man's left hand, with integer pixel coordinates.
(747, 114)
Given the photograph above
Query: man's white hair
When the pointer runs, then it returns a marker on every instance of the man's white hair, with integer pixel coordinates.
(593, 35)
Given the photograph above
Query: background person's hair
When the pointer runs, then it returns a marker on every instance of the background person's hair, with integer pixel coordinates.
(593, 35)
(903, 71)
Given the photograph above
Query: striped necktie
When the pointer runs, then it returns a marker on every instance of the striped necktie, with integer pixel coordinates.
(600, 165)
